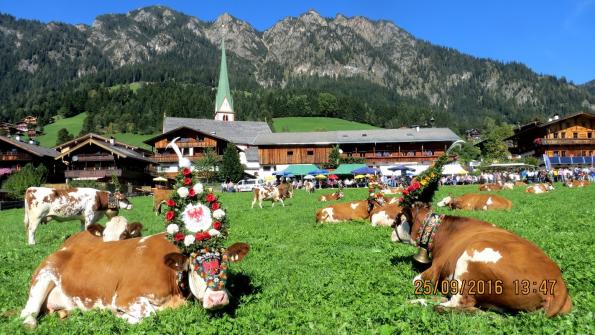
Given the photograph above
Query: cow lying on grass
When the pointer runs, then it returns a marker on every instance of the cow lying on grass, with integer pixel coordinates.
(132, 278)
(539, 188)
(577, 183)
(391, 190)
(386, 215)
(483, 265)
(270, 193)
(333, 196)
(88, 205)
(116, 229)
(476, 202)
(496, 187)
(349, 211)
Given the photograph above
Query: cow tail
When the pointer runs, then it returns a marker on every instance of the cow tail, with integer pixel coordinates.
(561, 302)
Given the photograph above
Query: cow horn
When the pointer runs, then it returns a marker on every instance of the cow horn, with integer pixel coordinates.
(422, 256)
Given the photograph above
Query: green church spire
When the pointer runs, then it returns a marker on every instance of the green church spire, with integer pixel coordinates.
(223, 92)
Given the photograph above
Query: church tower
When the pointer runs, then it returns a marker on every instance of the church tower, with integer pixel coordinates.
(223, 101)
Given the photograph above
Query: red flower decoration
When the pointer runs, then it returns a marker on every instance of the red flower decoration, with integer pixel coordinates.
(415, 185)
(191, 193)
(171, 203)
(186, 172)
(215, 206)
(400, 199)
(406, 192)
(170, 215)
(217, 225)
(201, 236)
(211, 197)
(187, 181)
(178, 237)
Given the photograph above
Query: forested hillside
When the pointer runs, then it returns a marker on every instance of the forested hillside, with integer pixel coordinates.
(354, 68)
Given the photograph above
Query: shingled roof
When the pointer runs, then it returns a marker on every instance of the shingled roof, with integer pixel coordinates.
(238, 132)
(31, 148)
(117, 148)
(403, 135)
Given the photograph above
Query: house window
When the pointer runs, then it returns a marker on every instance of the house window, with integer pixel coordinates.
(200, 138)
(555, 152)
(562, 135)
(310, 152)
(563, 153)
(555, 135)
(574, 135)
(289, 152)
(589, 135)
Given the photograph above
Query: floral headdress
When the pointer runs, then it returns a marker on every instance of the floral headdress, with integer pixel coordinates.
(197, 224)
(423, 186)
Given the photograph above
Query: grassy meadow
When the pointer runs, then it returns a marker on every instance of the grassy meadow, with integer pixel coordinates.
(296, 124)
(306, 278)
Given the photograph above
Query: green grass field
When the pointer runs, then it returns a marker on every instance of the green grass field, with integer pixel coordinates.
(295, 124)
(75, 124)
(306, 278)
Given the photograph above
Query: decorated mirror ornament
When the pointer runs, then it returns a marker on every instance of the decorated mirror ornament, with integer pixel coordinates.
(197, 224)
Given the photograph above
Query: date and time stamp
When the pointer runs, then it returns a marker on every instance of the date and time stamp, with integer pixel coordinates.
(482, 287)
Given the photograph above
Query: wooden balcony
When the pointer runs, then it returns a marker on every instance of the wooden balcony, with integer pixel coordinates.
(15, 156)
(172, 158)
(92, 174)
(395, 157)
(565, 141)
(93, 158)
(189, 144)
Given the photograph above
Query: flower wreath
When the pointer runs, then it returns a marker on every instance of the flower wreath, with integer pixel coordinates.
(423, 187)
(195, 220)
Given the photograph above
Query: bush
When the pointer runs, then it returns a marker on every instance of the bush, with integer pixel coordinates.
(88, 183)
(28, 176)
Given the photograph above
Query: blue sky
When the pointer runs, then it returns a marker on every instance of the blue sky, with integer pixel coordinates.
(554, 37)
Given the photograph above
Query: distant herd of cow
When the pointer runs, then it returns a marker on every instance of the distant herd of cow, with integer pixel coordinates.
(117, 269)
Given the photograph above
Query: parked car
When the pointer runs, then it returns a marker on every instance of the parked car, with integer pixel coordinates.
(247, 185)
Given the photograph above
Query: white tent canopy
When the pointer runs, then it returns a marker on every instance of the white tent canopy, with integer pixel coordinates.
(453, 169)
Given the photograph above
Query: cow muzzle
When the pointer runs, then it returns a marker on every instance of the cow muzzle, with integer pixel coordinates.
(208, 278)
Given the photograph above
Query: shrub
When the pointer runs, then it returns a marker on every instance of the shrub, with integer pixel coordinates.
(28, 176)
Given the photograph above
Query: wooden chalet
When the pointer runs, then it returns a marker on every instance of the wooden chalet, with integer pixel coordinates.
(94, 157)
(376, 147)
(569, 136)
(15, 153)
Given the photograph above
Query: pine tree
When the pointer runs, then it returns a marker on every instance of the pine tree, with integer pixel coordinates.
(334, 158)
(231, 168)
(63, 136)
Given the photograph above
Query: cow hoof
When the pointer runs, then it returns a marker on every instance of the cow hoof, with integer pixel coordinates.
(30, 322)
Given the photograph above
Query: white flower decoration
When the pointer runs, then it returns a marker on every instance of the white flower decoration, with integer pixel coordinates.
(198, 188)
(218, 214)
(214, 232)
(183, 192)
(172, 228)
(188, 240)
(197, 217)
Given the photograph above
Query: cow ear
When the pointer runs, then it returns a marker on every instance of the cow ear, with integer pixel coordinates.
(237, 251)
(176, 261)
(96, 229)
(134, 229)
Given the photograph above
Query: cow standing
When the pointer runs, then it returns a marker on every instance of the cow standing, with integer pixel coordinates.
(117, 228)
(309, 186)
(88, 205)
(272, 194)
(476, 202)
(513, 273)
(133, 278)
(160, 196)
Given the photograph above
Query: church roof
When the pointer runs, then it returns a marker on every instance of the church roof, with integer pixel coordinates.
(238, 132)
(223, 88)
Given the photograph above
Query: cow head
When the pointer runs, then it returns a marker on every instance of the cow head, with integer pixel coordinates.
(406, 220)
(122, 201)
(444, 202)
(340, 194)
(207, 273)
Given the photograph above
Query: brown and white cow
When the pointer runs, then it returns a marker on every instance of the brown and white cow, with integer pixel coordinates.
(539, 188)
(333, 196)
(133, 278)
(476, 202)
(270, 193)
(160, 196)
(348, 211)
(520, 183)
(117, 228)
(43, 204)
(487, 266)
(577, 183)
(286, 190)
(309, 186)
(386, 215)
(391, 190)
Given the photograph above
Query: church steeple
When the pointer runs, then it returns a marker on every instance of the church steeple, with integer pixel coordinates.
(223, 101)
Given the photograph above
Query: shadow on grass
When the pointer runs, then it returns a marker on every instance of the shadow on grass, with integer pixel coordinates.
(238, 285)
(415, 266)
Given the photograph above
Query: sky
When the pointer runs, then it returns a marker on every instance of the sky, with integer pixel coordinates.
(554, 37)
